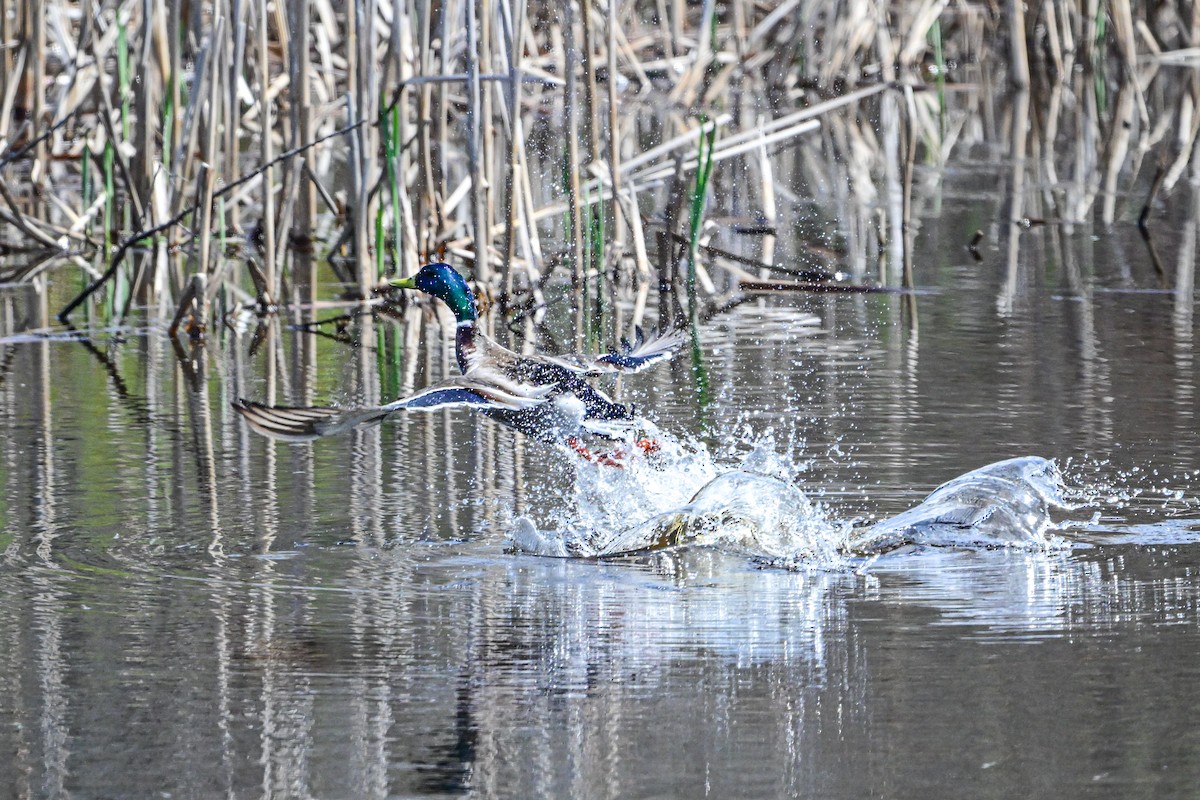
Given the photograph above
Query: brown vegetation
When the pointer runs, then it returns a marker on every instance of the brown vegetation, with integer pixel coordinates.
(142, 143)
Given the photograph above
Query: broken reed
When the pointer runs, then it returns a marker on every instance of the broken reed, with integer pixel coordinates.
(406, 127)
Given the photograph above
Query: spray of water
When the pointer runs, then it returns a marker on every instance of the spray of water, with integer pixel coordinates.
(683, 496)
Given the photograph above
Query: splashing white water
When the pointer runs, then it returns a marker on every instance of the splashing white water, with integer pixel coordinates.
(683, 496)
(1005, 504)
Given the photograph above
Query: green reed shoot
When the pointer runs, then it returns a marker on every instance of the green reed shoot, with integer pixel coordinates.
(389, 124)
(593, 240)
(123, 75)
(380, 241)
(398, 353)
(699, 199)
(704, 165)
(1101, 28)
(382, 362)
(587, 249)
(700, 374)
(109, 187)
(597, 233)
(565, 185)
(939, 62)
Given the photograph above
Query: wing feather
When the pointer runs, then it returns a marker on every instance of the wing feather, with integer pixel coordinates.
(629, 357)
(481, 389)
(305, 423)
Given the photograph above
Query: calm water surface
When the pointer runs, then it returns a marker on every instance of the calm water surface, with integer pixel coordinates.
(189, 610)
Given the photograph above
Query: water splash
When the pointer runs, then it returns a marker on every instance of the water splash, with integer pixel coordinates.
(1129, 494)
(1005, 504)
(684, 497)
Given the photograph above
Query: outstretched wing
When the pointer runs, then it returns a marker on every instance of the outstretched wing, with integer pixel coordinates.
(296, 423)
(632, 356)
(482, 389)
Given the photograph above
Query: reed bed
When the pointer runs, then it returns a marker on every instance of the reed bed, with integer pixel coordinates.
(616, 145)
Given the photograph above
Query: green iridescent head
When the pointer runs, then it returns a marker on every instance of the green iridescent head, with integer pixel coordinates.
(444, 283)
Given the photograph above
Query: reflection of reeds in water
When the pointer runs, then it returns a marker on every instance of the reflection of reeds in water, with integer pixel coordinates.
(382, 134)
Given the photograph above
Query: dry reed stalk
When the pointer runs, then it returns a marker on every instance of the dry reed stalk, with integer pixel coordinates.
(614, 127)
(81, 75)
(37, 64)
(368, 104)
(6, 71)
(735, 146)
(30, 228)
(769, 209)
(916, 42)
(174, 49)
(293, 178)
(668, 288)
(357, 190)
(1016, 201)
(907, 280)
(1188, 131)
(1118, 148)
(300, 64)
(574, 205)
(212, 128)
(107, 114)
(1124, 34)
(9, 99)
(678, 15)
(442, 111)
(530, 241)
(629, 205)
(686, 91)
(685, 140)
(425, 178)
(235, 82)
(631, 59)
(407, 243)
(487, 132)
(1089, 15)
(748, 48)
(475, 156)
(182, 162)
(850, 33)
(514, 50)
(145, 93)
(591, 109)
(267, 150)
(1053, 33)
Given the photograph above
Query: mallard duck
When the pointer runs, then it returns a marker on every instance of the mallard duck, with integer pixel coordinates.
(543, 396)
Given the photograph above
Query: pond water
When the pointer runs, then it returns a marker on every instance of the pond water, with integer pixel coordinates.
(188, 609)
